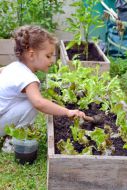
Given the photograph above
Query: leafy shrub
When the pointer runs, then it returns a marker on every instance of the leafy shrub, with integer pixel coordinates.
(118, 67)
(19, 12)
(8, 18)
(41, 12)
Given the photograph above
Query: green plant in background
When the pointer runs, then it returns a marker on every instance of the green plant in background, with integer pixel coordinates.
(41, 12)
(118, 66)
(123, 82)
(19, 12)
(83, 22)
(8, 18)
(41, 76)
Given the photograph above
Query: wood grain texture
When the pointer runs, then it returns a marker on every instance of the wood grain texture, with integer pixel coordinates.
(81, 172)
(51, 149)
(6, 51)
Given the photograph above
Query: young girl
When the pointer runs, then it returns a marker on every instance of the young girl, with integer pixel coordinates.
(20, 97)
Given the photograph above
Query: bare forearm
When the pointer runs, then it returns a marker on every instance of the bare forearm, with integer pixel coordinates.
(49, 107)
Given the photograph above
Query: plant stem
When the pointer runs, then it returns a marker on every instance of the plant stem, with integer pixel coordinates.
(86, 50)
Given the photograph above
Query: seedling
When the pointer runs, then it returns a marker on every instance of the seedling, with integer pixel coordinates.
(83, 22)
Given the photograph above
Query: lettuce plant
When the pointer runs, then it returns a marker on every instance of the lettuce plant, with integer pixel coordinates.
(26, 132)
(78, 133)
(83, 86)
(66, 147)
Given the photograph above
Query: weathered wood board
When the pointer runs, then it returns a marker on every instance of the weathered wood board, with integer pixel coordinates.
(6, 51)
(104, 65)
(81, 172)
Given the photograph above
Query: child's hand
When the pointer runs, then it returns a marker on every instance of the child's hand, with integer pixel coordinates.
(76, 113)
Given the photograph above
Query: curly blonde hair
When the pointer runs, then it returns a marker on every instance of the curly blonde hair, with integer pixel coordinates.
(30, 36)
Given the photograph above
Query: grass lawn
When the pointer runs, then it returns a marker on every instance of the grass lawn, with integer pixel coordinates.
(14, 176)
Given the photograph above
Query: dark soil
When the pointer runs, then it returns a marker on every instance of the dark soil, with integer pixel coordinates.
(24, 158)
(62, 130)
(93, 54)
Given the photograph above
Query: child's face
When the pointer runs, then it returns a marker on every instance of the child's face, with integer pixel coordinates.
(43, 59)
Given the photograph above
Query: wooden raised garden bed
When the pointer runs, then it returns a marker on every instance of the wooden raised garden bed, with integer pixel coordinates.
(83, 172)
(6, 51)
(101, 59)
(84, 155)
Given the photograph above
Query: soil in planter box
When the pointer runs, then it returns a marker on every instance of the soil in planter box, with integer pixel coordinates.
(62, 130)
(93, 54)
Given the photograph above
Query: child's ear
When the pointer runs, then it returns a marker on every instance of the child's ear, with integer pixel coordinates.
(31, 53)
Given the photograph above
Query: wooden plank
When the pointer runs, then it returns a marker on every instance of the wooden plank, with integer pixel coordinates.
(63, 53)
(50, 129)
(6, 46)
(87, 173)
(104, 65)
(81, 172)
(102, 54)
(64, 49)
(6, 51)
(6, 59)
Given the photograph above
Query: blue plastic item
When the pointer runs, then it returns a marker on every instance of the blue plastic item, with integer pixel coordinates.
(101, 32)
(121, 6)
(117, 44)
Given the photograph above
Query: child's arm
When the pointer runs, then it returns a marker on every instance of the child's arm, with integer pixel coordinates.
(46, 106)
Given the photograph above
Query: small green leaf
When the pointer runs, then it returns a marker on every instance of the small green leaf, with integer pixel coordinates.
(125, 146)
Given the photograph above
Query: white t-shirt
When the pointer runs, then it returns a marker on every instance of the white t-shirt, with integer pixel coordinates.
(13, 79)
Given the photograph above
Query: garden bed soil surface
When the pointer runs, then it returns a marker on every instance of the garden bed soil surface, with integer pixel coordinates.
(93, 53)
(62, 130)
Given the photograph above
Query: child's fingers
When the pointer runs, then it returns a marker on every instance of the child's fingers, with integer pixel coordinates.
(76, 113)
